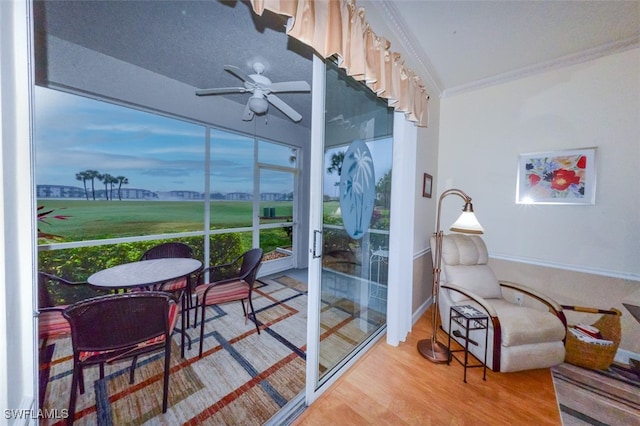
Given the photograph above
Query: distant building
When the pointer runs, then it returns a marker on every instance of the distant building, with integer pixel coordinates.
(59, 191)
(134, 194)
(183, 195)
(239, 196)
(74, 192)
(217, 196)
(276, 196)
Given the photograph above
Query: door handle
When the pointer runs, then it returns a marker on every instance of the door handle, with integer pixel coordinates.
(317, 253)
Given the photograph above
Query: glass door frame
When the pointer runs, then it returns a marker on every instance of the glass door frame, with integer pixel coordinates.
(314, 386)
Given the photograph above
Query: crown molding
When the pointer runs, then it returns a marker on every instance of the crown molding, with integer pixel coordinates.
(407, 41)
(565, 61)
(410, 45)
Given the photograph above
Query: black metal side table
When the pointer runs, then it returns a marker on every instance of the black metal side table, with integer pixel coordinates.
(468, 318)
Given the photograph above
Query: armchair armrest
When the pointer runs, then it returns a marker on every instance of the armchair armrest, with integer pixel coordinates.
(51, 309)
(495, 321)
(473, 296)
(220, 273)
(552, 304)
(62, 280)
(54, 290)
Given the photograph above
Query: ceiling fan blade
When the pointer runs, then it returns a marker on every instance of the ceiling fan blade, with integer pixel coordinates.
(220, 90)
(248, 114)
(290, 86)
(285, 108)
(239, 73)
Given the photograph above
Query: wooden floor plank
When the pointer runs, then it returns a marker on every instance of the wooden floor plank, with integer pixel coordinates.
(397, 386)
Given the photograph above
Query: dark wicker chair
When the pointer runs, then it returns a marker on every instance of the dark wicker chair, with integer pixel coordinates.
(181, 288)
(227, 283)
(122, 326)
(54, 295)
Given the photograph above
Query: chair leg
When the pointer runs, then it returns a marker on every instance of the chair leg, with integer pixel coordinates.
(184, 330)
(81, 379)
(72, 398)
(188, 299)
(195, 315)
(132, 369)
(165, 387)
(201, 329)
(253, 313)
(244, 310)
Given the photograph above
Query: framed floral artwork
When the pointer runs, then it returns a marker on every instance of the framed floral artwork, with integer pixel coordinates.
(557, 177)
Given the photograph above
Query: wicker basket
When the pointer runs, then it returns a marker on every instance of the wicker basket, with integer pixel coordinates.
(589, 355)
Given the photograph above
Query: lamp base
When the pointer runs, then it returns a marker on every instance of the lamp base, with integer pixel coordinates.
(434, 351)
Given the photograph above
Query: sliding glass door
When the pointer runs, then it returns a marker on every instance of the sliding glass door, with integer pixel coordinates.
(350, 238)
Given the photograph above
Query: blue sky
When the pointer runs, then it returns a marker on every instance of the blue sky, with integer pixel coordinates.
(153, 152)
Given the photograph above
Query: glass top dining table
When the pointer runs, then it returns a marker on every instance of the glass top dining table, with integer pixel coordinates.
(144, 273)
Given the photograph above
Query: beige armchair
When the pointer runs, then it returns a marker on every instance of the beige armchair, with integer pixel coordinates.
(526, 328)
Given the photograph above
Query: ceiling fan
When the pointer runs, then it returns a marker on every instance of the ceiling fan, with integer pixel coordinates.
(262, 92)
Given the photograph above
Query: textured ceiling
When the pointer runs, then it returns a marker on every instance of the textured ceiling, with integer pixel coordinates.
(188, 41)
(466, 44)
(455, 45)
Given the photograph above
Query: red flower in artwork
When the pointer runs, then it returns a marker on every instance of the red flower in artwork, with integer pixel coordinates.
(533, 179)
(563, 178)
(582, 162)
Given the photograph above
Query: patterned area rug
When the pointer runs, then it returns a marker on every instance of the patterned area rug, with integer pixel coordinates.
(589, 397)
(242, 378)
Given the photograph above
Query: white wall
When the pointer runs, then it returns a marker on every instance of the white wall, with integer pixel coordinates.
(596, 103)
(424, 161)
(17, 230)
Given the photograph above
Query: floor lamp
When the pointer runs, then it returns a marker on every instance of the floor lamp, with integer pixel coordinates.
(467, 223)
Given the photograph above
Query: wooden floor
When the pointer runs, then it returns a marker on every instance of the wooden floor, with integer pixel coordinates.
(397, 386)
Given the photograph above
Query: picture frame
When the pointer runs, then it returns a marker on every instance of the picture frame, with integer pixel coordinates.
(427, 185)
(557, 177)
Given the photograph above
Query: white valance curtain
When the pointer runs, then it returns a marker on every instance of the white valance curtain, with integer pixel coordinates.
(338, 27)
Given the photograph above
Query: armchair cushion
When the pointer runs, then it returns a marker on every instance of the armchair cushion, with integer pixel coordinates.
(465, 261)
(222, 293)
(522, 325)
(51, 323)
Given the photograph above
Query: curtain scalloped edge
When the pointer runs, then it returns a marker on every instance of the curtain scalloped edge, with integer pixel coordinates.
(339, 27)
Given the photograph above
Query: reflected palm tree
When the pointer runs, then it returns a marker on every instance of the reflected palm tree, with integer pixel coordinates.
(360, 176)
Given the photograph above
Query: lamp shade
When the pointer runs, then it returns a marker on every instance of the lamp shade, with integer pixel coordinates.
(467, 223)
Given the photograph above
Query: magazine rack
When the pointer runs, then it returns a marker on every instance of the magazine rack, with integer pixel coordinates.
(592, 355)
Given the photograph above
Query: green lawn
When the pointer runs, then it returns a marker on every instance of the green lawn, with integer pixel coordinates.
(95, 220)
(88, 220)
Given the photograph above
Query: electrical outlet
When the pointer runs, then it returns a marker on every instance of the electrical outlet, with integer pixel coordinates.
(519, 298)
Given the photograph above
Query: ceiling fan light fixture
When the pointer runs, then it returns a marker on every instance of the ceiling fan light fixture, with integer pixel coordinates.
(262, 92)
(258, 104)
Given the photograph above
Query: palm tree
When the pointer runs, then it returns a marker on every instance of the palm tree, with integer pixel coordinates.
(106, 179)
(336, 163)
(121, 181)
(92, 175)
(336, 166)
(383, 187)
(82, 176)
(112, 182)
